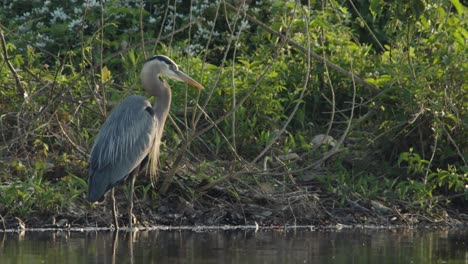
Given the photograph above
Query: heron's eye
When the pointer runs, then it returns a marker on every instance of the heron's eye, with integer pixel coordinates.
(173, 67)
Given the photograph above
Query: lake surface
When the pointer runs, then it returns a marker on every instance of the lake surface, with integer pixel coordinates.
(302, 245)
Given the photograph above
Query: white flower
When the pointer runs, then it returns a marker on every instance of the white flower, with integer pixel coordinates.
(77, 10)
(91, 3)
(59, 14)
(42, 10)
(244, 25)
(193, 49)
(40, 44)
(23, 28)
(42, 40)
(74, 23)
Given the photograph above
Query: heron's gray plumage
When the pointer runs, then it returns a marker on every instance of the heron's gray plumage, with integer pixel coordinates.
(133, 132)
(123, 142)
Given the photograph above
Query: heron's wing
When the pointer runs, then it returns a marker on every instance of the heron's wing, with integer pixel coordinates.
(122, 143)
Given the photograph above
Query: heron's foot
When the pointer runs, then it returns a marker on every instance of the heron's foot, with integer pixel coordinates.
(115, 227)
(115, 222)
(132, 221)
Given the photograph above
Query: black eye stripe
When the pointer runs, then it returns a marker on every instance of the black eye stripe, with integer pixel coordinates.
(165, 59)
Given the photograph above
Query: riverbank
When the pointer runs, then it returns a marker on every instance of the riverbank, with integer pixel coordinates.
(218, 207)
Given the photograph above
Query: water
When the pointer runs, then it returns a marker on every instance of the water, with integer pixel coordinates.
(237, 246)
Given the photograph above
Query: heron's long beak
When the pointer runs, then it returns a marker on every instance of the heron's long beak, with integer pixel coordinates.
(184, 77)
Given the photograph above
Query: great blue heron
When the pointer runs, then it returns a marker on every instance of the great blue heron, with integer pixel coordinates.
(132, 133)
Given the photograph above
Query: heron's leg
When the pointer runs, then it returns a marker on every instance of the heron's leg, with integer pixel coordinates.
(133, 175)
(114, 210)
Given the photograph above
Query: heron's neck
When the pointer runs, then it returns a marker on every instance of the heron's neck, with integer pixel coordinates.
(162, 104)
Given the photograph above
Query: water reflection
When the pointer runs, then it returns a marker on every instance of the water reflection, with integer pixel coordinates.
(237, 246)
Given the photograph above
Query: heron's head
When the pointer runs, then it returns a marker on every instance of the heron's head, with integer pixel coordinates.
(160, 65)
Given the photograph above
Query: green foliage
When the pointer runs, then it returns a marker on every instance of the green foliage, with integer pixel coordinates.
(37, 195)
(416, 191)
(350, 187)
(422, 189)
(451, 179)
(78, 60)
(416, 165)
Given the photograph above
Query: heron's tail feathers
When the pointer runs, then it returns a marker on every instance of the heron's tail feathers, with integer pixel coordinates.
(98, 185)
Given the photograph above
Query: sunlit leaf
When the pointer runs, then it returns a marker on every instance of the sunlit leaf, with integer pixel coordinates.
(458, 6)
(105, 74)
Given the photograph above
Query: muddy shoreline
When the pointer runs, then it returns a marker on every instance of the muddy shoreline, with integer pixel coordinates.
(215, 209)
(338, 227)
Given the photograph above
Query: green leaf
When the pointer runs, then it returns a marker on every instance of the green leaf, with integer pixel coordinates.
(458, 6)
(106, 74)
(459, 38)
(375, 7)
